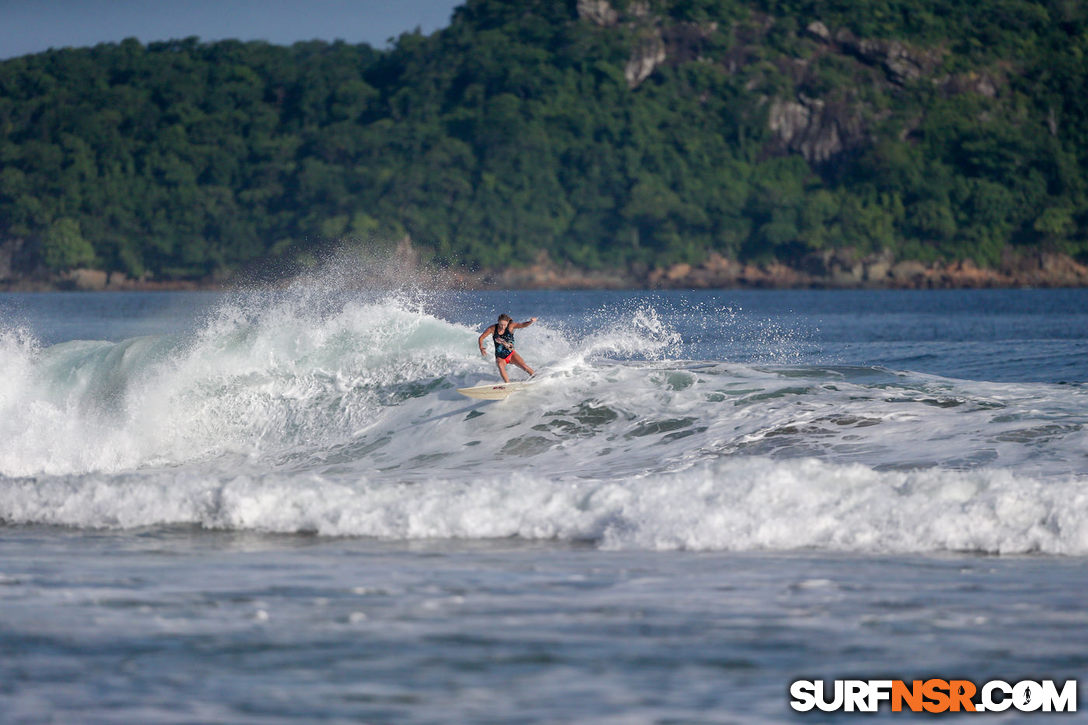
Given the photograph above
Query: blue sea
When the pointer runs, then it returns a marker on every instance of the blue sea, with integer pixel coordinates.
(272, 506)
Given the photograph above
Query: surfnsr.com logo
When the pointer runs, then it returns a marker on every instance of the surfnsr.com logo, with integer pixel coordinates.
(933, 695)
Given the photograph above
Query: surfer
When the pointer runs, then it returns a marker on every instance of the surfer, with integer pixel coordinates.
(502, 334)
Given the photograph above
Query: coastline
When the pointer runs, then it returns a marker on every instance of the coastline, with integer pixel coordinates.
(824, 271)
(828, 270)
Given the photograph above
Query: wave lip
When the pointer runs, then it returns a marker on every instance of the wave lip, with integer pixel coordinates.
(259, 377)
(732, 505)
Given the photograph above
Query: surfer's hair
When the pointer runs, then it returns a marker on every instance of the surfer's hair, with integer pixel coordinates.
(506, 317)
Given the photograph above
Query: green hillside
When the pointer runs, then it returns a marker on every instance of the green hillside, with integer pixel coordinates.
(605, 134)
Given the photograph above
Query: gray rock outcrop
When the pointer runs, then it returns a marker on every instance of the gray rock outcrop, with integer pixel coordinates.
(814, 128)
(648, 53)
(901, 64)
(599, 12)
(819, 31)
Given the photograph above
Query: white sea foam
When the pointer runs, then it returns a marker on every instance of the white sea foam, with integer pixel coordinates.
(255, 378)
(18, 350)
(744, 504)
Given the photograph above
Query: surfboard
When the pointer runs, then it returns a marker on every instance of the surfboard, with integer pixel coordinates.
(494, 391)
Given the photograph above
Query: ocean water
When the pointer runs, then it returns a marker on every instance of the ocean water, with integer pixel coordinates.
(273, 506)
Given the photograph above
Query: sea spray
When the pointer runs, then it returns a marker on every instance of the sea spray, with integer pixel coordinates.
(267, 374)
(259, 376)
(657, 320)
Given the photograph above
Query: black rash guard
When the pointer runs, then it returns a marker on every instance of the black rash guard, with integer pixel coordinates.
(504, 343)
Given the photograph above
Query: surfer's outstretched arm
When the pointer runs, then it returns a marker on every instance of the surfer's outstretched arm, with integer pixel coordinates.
(519, 325)
(483, 336)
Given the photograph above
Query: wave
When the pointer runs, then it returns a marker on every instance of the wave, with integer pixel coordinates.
(264, 376)
(738, 505)
(305, 411)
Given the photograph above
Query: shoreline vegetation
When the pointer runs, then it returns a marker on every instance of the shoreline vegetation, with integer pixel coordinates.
(824, 271)
(568, 144)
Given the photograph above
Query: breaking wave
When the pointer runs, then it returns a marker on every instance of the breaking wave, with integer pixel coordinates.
(300, 411)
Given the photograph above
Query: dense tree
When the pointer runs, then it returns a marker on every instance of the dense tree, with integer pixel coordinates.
(63, 246)
(959, 129)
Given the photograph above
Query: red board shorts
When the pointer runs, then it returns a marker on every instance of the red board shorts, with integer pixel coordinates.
(506, 358)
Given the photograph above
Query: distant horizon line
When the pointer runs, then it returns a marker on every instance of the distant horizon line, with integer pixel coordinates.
(209, 41)
(29, 28)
